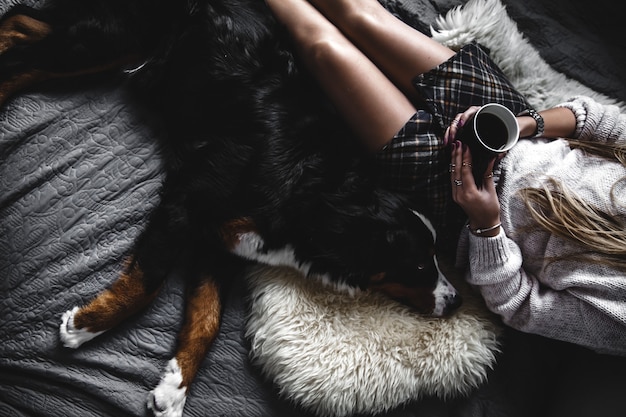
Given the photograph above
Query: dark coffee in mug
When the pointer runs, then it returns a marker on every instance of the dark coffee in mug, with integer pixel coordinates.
(492, 130)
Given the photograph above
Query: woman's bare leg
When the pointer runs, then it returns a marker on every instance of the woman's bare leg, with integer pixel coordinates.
(369, 102)
(399, 50)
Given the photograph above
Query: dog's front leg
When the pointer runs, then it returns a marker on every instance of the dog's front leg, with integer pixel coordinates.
(38, 46)
(19, 29)
(202, 322)
(125, 297)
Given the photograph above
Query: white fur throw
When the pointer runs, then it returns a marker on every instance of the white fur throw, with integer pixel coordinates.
(337, 352)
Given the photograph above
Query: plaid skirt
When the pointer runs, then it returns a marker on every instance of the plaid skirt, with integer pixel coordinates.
(415, 161)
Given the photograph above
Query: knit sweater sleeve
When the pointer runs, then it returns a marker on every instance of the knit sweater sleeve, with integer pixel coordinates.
(495, 268)
(596, 121)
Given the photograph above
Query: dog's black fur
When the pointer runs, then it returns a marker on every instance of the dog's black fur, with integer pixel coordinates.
(248, 135)
(249, 140)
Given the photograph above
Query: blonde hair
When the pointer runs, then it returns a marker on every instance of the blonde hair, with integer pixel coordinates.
(559, 211)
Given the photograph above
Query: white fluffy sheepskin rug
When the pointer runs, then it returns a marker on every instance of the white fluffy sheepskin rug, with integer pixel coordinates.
(337, 352)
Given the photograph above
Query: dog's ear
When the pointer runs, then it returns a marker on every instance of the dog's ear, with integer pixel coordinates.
(231, 230)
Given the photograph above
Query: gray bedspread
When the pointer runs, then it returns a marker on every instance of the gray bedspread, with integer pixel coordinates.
(79, 174)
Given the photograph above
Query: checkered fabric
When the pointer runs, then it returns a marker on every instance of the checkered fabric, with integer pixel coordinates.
(415, 160)
(469, 78)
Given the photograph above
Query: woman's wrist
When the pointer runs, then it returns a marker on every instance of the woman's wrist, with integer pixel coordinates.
(487, 230)
(559, 122)
(527, 126)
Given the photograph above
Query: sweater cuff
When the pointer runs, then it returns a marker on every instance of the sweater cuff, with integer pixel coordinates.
(596, 121)
(490, 250)
(492, 259)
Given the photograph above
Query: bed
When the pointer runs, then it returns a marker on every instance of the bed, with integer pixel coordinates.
(79, 173)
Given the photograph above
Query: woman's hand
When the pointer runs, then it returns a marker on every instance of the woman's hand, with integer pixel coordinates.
(480, 204)
(457, 123)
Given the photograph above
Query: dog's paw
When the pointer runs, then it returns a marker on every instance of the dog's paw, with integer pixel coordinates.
(168, 398)
(72, 337)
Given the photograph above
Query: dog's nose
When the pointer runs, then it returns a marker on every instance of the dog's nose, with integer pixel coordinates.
(453, 302)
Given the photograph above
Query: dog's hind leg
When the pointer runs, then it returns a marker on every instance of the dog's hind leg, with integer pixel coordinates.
(159, 250)
(202, 322)
(126, 296)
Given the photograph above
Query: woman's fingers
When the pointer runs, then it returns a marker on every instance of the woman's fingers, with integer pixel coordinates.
(488, 176)
(480, 204)
(467, 176)
(464, 187)
(461, 175)
(456, 158)
(451, 131)
(457, 123)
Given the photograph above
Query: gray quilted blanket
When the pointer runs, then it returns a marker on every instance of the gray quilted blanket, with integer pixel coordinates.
(79, 173)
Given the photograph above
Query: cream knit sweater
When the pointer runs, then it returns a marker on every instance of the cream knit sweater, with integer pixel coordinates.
(568, 300)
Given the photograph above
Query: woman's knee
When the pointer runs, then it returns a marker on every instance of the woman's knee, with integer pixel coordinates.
(361, 17)
(329, 51)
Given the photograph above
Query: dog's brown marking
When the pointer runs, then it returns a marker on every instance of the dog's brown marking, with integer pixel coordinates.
(422, 299)
(202, 322)
(26, 79)
(231, 230)
(25, 30)
(20, 30)
(377, 278)
(124, 298)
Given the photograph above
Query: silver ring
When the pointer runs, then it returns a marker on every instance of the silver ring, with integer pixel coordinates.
(458, 183)
(489, 176)
(467, 164)
(455, 122)
(451, 169)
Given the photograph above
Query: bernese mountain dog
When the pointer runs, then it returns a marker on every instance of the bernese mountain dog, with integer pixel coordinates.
(259, 168)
